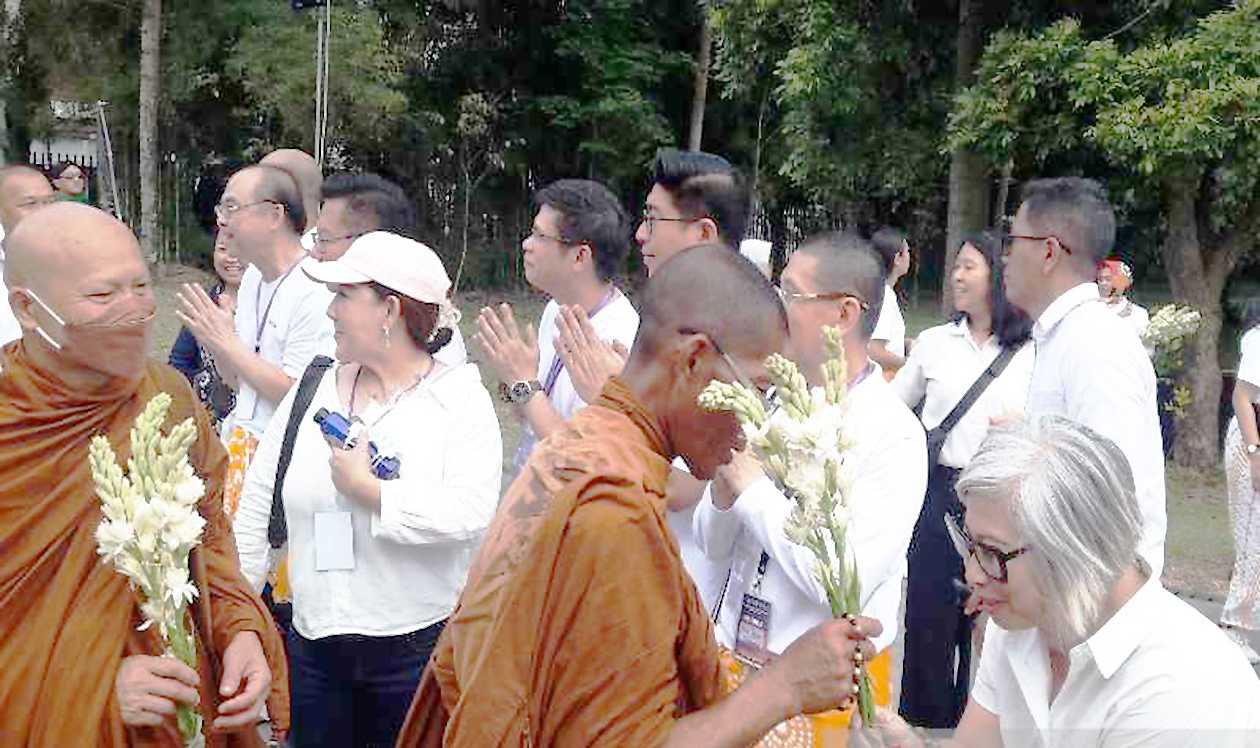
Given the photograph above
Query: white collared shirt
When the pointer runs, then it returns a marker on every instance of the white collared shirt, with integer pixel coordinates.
(1158, 673)
(945, 362)
(617, 321)
(411, 557)
(891, 325)
(1249, 359)
(708, 575)
(1137, 317)
(1091, 368)
(887, 470)
(295, 330)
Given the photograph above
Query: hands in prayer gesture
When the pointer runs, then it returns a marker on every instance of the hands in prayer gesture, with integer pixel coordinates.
(213, 324)
(512, 355)
(589, 360)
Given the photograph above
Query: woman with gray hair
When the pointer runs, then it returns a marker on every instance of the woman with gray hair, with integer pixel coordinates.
(1084, 646)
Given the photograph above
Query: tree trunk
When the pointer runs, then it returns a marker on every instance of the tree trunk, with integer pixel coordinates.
(754, 190)
(701, 85)
(150, 94)
(968, 183)
(7, 23)
(1199, 282)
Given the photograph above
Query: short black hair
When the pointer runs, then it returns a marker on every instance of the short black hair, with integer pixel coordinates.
(1009, 323)
(888, 241)
(590, 214)
(705, 184)
(849, 263)
(279, 186)
(1077, 212)
(61, 166)
(373, 200)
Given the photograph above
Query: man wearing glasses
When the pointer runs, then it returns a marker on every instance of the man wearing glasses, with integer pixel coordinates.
(23, 190)
(828, 282)
(696, 198)
(356, 204)
(1090, 365)
(575, 247)
(281, 319)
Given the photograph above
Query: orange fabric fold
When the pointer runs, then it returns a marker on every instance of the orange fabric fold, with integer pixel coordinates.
(66, 619)
(578, 625)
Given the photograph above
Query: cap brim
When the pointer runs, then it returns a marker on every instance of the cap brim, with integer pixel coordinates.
(333, 271)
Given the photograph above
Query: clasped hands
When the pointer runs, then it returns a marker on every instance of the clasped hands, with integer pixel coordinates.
(149, 688)
(212, 323)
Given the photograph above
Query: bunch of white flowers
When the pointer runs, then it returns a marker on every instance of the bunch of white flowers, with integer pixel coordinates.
(1170, 326)
(801, 445)
(151, 524)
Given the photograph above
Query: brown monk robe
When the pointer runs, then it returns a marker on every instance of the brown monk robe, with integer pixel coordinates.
(68, 620)
(579, 625)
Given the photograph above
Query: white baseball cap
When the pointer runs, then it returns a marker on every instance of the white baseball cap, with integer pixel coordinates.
(396, 262)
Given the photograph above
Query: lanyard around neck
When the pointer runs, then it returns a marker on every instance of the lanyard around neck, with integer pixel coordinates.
(262, 321)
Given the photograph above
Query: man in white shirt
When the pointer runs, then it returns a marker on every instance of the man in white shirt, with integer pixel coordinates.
(888, 342)
(574, 248)
(357, 204)
(826, 283)
(22, 191)
(1090, 365)
(305, 171)
(281, 320)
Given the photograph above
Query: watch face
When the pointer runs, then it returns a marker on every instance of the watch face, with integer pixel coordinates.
(521, 392)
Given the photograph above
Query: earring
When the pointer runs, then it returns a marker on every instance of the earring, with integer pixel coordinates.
(385, 330)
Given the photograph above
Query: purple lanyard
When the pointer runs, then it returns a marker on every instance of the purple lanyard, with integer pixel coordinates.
(870, 367)
(557, 363)
(262, 323)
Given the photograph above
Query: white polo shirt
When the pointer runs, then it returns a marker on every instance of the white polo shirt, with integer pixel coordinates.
(1157, 674)
(887, 470)
(293, 331)
(891, 325)
(1091, 368)
(945, 362)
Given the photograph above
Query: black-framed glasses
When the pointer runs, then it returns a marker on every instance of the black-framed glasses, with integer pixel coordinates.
(322, 240)
(766, 396)
(1008, 238)
(991, 560)
(225, 211)
(650, 220)
(788, 297)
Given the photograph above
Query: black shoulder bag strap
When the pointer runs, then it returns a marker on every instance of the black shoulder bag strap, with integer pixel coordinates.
(936, 437)
(277, 530)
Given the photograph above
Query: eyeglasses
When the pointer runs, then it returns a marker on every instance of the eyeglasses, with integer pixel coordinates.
(536, 234)
(70, 176)
(650, 220)
(225, 211)
(766, 396)
(1008, 238)
(321, 240)
(992, 561)
(789, 297)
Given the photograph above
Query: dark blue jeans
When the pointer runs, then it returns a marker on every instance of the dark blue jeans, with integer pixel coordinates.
(354, 691)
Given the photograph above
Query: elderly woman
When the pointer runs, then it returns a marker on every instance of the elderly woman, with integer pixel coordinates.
(1083, 647)
(377, 556)
(1115, 278)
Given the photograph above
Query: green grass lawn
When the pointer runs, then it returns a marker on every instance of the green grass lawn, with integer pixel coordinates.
(1199, 549)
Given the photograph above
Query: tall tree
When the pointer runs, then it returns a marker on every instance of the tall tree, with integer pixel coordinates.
(150, 98)
(1180, 116)
(700, 89)
(8, 21)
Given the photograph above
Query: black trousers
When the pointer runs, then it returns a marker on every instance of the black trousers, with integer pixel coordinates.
(936, 669)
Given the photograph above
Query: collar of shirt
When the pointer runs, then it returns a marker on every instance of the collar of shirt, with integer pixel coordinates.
(1112, 644)
(1063, 306)
(962, 329)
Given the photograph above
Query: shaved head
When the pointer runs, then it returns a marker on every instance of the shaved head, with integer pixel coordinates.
(305, 171)
(22, 191)
(845, 262)
(63, 242)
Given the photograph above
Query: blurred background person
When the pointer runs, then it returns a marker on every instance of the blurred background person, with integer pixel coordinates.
(983, 348)
(1115, 279)
(1242, 479)
(888, 343)
(375, 565)
(196, 363)
(70, 181)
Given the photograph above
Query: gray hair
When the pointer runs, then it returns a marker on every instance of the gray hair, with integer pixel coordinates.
(1070, 497)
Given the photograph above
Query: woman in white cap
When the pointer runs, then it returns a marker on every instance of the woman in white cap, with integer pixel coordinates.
(381, 533)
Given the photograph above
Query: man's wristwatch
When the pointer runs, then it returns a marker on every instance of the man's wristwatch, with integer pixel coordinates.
(519, 392)
(1253, 449)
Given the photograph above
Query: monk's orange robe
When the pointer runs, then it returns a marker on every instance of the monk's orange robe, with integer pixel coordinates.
(67, 620)
(579, 625)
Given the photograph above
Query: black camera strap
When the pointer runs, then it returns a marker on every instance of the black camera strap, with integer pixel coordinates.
(277, 528)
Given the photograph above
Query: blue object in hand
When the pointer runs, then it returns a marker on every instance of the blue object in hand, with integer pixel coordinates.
(337, 427)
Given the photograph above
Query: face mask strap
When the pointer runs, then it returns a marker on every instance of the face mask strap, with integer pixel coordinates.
(40, 328)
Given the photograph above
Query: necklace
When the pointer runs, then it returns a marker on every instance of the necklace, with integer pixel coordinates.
(392, 401)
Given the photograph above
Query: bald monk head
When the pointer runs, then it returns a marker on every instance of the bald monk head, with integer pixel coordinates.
(80, 290)
(23, 190)
(707, 314)
(305, 171)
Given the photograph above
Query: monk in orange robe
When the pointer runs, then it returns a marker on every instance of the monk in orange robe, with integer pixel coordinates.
(579, 625)
(74, 671)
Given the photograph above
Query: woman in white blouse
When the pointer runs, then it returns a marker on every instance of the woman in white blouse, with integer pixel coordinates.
(946, 362)
(1242, 477)
(1084, 647)
(888, 342)
(376, 565)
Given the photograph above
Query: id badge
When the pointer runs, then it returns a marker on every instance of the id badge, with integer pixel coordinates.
(752, 635)
(334, 541)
